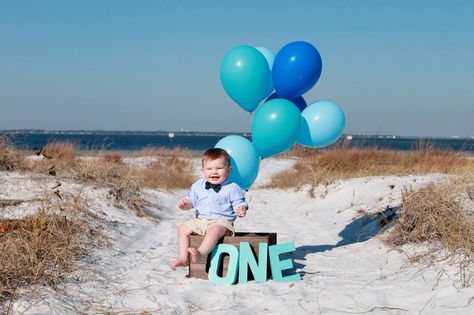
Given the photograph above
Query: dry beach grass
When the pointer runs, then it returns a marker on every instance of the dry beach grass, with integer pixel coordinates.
(162, 169)
(439, 215)
(42, 247)
(10, 159)
(327, 165)
(169, 169)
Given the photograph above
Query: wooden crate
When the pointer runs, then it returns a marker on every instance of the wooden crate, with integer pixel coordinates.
(201, 268)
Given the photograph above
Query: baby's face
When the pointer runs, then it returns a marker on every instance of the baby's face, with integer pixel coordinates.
(215, 171)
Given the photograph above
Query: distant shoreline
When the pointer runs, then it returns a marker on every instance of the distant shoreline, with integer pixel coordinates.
(204, 133)
(114, 132)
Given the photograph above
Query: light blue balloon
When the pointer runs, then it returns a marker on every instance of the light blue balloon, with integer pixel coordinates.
(275, 127)
(270, 57)
(245, 75)
(244, 159)
(268, 54)
(322, 124)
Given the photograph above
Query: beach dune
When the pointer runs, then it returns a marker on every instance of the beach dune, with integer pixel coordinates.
(344, 263)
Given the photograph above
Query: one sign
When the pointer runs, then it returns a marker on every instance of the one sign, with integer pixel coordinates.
(241, 260)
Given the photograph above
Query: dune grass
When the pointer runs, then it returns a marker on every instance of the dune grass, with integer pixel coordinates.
(41, 248)
(10, 158)
(440, 214)
(438, 211)
(63, 151)
(162, 168)
(166, 169)
(325, 166)
(169, 169)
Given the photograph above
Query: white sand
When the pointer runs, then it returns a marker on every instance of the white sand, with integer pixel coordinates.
(345, 268)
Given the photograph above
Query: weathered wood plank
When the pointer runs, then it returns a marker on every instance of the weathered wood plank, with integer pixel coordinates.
(201, 268)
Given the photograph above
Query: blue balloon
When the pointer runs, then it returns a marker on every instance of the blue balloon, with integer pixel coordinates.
(270, 57)
(275, 127)
(296, 69)
(322, 124)
(245, 76)
(299, 101)
(244, 159)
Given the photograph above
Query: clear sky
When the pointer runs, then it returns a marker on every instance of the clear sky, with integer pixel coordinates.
(395, 67)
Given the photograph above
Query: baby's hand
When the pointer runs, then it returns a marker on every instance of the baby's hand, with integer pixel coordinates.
(184, 204)
(241, 211)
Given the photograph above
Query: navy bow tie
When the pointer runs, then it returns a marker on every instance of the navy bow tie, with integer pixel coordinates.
(215, 187)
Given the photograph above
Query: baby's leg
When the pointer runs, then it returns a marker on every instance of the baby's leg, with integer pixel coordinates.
(213, 234)
(183, 244)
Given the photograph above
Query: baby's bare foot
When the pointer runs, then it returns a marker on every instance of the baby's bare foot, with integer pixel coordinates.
(180, 262)
(195, 254)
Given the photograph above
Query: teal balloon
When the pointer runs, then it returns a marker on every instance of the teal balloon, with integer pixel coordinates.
(275, 127)
(321, 125)
(244, 159)
(245, 76)
(270, 57)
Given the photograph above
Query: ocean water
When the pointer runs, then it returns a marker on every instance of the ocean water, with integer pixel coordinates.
(200, 142)
(118, 141)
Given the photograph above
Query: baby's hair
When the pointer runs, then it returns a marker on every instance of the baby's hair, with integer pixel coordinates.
(214, 154)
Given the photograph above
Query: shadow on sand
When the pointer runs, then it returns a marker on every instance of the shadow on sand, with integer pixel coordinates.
(359, 230)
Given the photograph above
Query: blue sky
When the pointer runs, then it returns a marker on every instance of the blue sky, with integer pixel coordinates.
(394, 67)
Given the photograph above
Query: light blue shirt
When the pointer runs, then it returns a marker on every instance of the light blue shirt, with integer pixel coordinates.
(216, 206)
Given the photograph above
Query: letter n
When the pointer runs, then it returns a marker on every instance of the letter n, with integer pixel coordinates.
(247, 259)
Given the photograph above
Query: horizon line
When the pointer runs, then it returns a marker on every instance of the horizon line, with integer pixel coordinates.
(182, 131)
